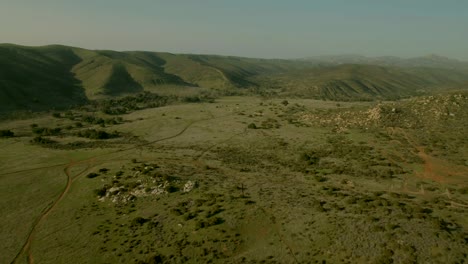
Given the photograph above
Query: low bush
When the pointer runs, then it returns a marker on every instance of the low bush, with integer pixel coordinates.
(138, 221)
(92, 175)
(252, 126)
(101, 191)
(6, 133)
(210, 222)
(97, 134)
(46, 131)
(42, 141)
(171, 188)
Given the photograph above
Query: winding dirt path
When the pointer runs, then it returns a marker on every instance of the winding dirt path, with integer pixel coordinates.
(436, 169)
(70, 178)
(26, 248)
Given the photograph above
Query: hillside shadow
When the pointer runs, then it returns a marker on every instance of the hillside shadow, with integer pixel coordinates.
(38, 79)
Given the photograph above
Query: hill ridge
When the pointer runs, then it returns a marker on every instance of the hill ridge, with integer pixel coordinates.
(55, 76)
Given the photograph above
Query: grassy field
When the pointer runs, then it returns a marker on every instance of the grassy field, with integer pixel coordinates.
(239, 180)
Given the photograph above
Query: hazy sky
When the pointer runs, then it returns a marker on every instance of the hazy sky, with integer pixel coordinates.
(252, 28)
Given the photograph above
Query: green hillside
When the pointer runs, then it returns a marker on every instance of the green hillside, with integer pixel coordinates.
(37, 78)
(33, 78)
(361, 82)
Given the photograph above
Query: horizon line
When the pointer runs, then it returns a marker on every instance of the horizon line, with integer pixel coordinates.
(246, 57)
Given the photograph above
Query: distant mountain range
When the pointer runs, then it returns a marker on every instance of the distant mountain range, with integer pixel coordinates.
(38, 78)
(431, 61)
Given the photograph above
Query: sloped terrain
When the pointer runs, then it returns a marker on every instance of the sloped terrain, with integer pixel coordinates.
(36, 78)
(116, 73)
(360, 82)
(429, 61)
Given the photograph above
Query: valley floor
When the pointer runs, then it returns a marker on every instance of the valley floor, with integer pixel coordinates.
(240, 180)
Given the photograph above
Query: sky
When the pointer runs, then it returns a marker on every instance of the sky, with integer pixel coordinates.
(249, 28)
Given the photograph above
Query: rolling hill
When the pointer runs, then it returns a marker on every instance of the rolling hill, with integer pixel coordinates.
(38, 78)
(362, 82)
(32, 77)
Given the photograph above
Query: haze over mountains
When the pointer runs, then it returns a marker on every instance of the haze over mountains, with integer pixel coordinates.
(37, 78)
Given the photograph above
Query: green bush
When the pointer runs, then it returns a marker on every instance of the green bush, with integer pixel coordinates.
(320, 178)
(171, 188)
(6, 133)
(42, 141)
(92, 175)
(463, 190)
(311, 158)
(154, 259)
(45, 131)
(190, 215)
(138, 221)
(210, 222)
(97, 134)
(101, 191)
(252, 126)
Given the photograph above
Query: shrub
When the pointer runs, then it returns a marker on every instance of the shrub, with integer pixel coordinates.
(97, 134)
(285, 102)
(171, 188)
(189, 216)
(320, 178)
(101, 191)
(45, 131)
(138, 221)
(191, 99)
(252, 126)
(463, 190)
(215, 221)
(310, 158)
(155, 258)
(6, 133)
(42, 141)
(177, 211)
(92, 175)
(210, 222)
(351, 200)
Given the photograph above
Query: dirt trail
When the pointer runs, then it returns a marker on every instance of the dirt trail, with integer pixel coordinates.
(184, 129)
(436, 169)
(26, 248)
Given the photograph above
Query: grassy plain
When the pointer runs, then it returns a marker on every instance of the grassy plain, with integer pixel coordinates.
(241, 180)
